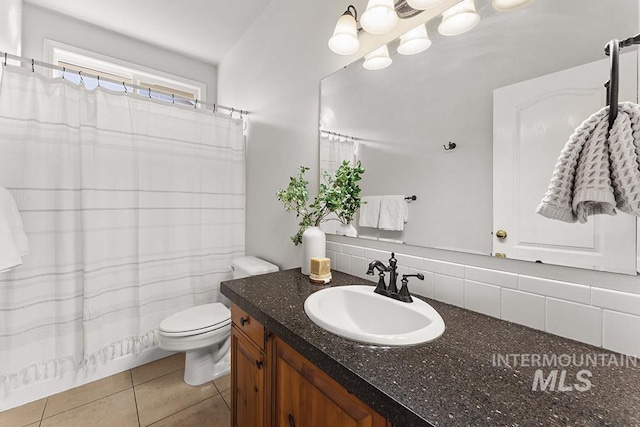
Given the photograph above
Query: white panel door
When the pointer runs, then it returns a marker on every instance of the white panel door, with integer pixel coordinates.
(532, 120)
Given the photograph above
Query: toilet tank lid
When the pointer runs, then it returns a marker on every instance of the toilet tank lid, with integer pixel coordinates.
(198, 317)
(253, 266)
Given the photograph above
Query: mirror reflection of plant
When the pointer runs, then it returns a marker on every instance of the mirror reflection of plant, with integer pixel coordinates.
(340, 195)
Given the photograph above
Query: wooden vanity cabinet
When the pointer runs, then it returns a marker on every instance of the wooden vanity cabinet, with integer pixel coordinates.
(273, 385)
(250, 384)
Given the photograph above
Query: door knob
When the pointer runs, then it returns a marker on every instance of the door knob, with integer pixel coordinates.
(501, 234)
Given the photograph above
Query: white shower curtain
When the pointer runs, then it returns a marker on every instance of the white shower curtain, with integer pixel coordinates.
(133, 209)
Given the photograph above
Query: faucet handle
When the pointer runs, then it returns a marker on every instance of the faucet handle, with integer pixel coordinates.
(404, 290)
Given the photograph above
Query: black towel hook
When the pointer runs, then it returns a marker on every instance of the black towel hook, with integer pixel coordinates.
(612, 49)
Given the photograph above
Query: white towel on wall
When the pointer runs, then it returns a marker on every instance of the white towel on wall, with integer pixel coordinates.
(369, 211)
(13, 240)
(394, 212)
(594, 175)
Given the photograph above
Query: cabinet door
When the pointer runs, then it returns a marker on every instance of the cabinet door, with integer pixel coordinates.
(306, 396)
(248, 382)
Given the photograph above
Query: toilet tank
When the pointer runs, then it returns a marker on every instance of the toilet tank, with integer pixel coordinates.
(251, 266)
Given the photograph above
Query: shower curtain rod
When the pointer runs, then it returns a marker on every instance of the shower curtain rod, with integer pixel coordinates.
(33, 62)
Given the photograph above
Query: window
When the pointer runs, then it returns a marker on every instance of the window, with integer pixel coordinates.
(163, 86)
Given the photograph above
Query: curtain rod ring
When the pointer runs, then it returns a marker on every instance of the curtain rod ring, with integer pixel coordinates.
(195, 105)
(149, 89)
(63, 71)
(5, 59)
(173, 98)
(81, 79)
(125, 87)
(233, 110)
(33, 65)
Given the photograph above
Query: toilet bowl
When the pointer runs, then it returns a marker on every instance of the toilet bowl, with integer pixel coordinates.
(203, 332)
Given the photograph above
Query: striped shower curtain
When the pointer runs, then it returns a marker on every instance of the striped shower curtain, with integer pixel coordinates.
(133, 209)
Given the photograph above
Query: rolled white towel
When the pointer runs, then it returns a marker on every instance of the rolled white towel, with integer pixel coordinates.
(369, 211)
(393, 211)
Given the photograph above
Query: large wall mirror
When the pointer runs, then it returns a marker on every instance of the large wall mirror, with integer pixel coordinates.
(508, 94)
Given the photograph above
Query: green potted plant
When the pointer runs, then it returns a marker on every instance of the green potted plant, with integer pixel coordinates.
(339, 195)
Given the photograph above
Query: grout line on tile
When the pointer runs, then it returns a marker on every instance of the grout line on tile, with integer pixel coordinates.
(43, 409)
(152, 379)
(183, 409)
(135, 399)
(87, 403)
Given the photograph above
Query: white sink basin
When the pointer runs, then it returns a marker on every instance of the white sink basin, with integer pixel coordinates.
(356, 312)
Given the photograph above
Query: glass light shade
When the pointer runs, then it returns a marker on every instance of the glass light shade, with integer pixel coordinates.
(345, 36)
(459, 19)
(503, 5)
(423, 4)
(380, 17)
(378, 59)
(414, 41)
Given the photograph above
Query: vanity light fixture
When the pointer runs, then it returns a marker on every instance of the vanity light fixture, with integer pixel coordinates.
(459, 19)
(423, 4)
(378, 59)
(345, 36)
(380, 17)
(504, 5)
(414, 41)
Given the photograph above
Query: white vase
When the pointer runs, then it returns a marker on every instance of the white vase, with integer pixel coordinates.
(346, 230)
(313, 246)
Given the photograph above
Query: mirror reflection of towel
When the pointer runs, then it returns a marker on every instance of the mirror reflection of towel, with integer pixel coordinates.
(370, 211)
(394, 212)
(13, 240)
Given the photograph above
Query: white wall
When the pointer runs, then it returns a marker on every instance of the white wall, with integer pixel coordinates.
(10, 26)
(39, 24)
(274, 72)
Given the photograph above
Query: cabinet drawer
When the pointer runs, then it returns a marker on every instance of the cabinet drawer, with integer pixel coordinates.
(247, 324)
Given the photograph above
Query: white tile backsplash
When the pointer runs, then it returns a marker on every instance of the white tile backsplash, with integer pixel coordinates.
(553, 288)
(410, 261)
(498, 278)
(523, 308)
(568, 309)
(335, 247)
(621, 332)
(343, 263)
(421, 287)
(332, 257)
(482, 298)
(614, 300)
(576, 321)
(448, 289)
(376, 255)
(353, 250)
(442, 267)
(359, 268)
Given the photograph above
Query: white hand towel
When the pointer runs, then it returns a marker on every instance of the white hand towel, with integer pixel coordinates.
(13, 240)
(369, 211)
(594, 175)
(393, 211)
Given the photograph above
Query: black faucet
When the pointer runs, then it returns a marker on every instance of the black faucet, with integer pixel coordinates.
(392, 290)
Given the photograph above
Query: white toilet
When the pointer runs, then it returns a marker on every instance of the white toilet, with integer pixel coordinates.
(204, 332)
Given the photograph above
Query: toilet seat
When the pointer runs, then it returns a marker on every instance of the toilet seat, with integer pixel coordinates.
(196, 320)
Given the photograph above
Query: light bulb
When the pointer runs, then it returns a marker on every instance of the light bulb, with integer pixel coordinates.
(378, 59)
(345, 36)
(414, 41)
(504, 5)
(380, 17)
(459, 19)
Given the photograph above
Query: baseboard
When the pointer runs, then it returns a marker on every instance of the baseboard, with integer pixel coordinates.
(23, 395)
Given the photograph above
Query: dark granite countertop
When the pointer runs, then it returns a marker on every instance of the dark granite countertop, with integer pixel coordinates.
(452, 380)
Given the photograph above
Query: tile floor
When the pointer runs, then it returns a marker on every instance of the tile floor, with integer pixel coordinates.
(152, 394)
